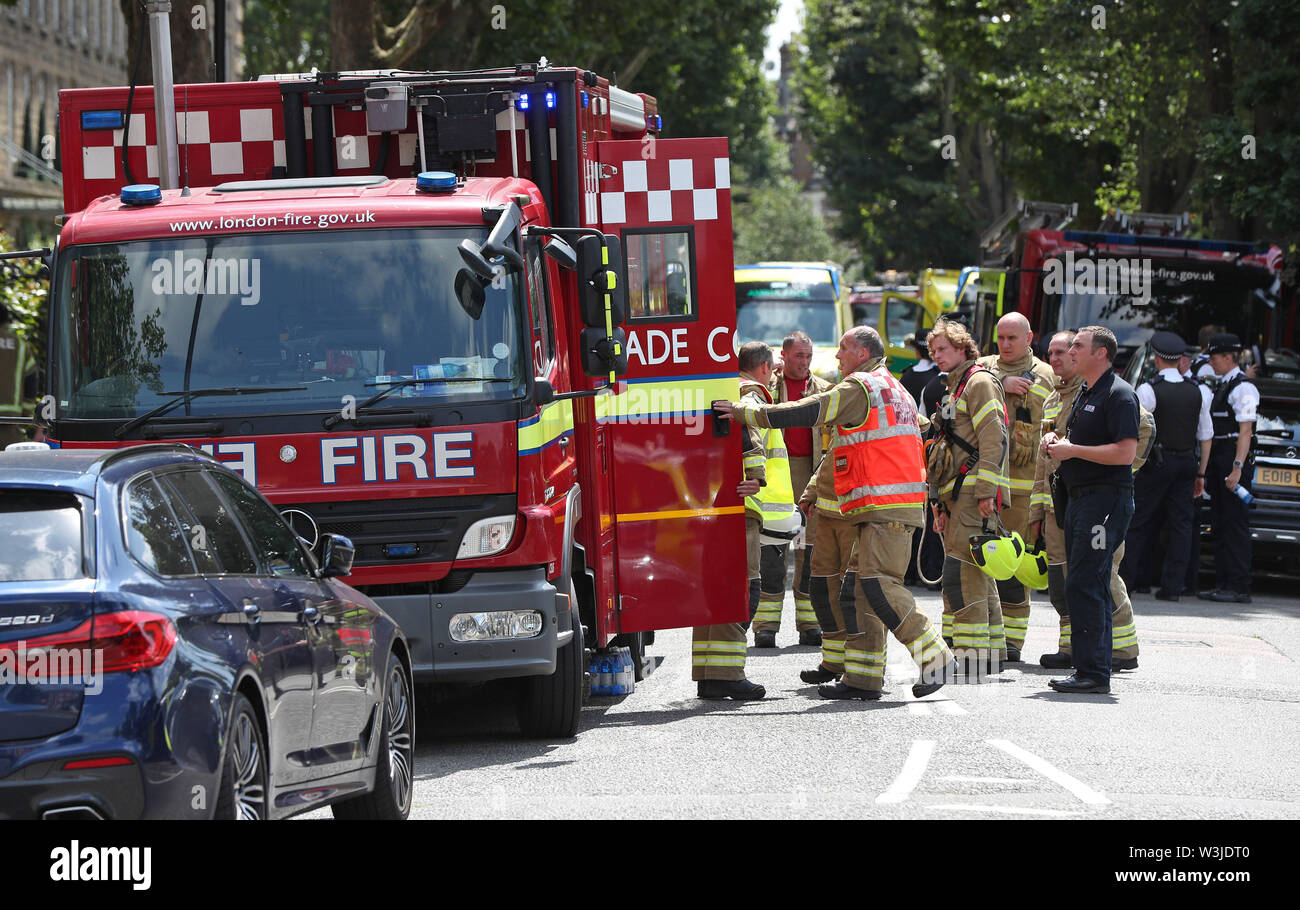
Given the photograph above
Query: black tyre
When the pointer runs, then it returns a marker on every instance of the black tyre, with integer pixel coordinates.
(550, 706)
(390, 800)
(242, 792)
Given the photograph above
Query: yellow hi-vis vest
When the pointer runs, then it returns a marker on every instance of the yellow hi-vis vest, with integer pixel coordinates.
(776, 499)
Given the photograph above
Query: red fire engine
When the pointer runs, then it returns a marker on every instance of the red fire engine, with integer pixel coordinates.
(432, 366)
(1135, 275)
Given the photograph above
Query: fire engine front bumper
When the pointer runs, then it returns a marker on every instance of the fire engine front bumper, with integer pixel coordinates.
(437, 657)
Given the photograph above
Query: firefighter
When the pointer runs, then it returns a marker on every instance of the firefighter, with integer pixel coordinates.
(1232, 465)
(836, 597)
(968, 483)
(1043, 523)
(879, 480)
(1026, 383)
(16, 365)
(718, 651)
(790, 382)
(1166, 491)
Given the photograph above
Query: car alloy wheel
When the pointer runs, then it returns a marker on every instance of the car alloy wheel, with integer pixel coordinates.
(242, 794)
(397, 720)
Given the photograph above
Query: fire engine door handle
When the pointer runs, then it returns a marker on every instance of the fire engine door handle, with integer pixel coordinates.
(564, 442)
(721, 425)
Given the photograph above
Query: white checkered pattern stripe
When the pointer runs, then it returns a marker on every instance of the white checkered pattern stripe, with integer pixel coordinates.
(664, 190)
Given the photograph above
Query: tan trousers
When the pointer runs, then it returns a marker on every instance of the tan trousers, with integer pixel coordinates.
(772, 599)
(883, 551)
(832, 557)
(972, 611)
(1013, 595)
(718, 651)
(1124, 642)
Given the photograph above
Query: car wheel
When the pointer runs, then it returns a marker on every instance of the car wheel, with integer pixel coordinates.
(391, 798)
(242, 794)
(550, 706)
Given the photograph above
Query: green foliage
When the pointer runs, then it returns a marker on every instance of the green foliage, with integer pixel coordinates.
(285, 36)
(23, 293)
(774, 222)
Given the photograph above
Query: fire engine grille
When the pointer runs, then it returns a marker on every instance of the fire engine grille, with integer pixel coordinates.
(396, 531)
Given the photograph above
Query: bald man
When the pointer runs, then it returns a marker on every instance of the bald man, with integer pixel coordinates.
(1026, 383)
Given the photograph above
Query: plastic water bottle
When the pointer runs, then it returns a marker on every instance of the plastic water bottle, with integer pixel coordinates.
(619, 687)
(606, 677)
(630, 669)
(1243, 494)
(595, 676)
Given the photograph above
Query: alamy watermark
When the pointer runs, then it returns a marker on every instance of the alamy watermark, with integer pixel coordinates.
(1102, 275)
(190, 275)
(52, 667)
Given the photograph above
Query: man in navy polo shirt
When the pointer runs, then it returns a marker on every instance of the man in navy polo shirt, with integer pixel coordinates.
(1096, 458)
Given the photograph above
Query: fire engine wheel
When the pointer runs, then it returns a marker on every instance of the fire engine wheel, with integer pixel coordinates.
(550, 706)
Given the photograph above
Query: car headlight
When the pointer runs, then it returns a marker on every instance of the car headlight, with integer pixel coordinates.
(487, 537)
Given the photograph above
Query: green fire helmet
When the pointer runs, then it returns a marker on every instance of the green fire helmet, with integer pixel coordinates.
(1032, 571)
(997, 555)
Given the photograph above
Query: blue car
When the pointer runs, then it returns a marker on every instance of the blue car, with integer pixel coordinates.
(169, 648)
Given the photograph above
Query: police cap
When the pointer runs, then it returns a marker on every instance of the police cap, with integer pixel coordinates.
(1226, 343)
(1168, 345)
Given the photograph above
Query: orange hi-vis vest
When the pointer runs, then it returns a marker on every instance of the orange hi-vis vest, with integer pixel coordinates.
(881, 464)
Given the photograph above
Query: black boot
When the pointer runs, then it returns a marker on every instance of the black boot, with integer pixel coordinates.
(739, 689)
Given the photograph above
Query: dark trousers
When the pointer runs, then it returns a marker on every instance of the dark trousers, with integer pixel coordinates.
(1230, 519)
(1095, 525)
(1162, 496)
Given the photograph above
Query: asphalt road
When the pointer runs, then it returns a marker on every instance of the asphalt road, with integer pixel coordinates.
(1205, 728)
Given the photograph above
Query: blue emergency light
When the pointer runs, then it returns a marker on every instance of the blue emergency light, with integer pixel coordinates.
(550, 99)
(435, 182)
(586, 100)
(522, 103)
(102, 120)
(141, 194)
(659, 122)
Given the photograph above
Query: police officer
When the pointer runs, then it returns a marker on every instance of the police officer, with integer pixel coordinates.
(718, 650)
(1097, 469)
(792, 381)
(879, 477)
(1232, 410)
(1026, 383)
(968, 482)
(1165, 489)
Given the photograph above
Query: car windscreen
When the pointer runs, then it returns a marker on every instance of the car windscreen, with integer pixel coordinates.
(40, 536)
(340, 312)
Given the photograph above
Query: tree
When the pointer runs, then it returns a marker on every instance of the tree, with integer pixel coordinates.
(775, 222)
(191, 48)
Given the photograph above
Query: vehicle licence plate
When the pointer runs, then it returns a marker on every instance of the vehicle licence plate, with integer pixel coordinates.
(1277, 477)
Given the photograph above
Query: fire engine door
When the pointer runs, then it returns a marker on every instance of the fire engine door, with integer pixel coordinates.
(680, 526)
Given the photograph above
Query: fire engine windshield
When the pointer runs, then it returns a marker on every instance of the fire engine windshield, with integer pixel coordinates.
(1183, 296)
(343, 313)
(770, 310)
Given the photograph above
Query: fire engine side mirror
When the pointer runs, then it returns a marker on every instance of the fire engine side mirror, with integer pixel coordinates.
(603, 354)
(600, 269)
(470, 292)
(563, 254)
(472, 255)
(543, 391)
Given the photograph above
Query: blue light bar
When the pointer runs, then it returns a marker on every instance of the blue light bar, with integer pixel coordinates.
(659, 122)
(141, 194)
(522, 103)
(102, 120)
(586, 100)
(436, 182)
(1093, 238)
(550, 99)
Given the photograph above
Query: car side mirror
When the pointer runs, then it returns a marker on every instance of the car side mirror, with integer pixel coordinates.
(335, 553)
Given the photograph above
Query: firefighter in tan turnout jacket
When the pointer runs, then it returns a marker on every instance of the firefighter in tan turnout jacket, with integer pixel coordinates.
(968, 482)
(804, 447)
(1026, 383)
(718, 651)
(879, 481)
(1042, 519)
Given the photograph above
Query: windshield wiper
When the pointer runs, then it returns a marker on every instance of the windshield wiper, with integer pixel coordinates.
(335, 419)
(183, 397)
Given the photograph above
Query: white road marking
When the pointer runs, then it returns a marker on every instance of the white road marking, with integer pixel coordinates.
(910, 776)
(949, 707)
(921, 709)
(1007, 810)
(1045, 768)
(986, 780)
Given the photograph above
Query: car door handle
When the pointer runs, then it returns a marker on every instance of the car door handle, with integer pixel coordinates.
(311, 614)
(252, 610)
